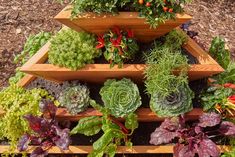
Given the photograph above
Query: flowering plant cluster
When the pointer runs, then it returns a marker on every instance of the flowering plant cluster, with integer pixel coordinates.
(119, 46)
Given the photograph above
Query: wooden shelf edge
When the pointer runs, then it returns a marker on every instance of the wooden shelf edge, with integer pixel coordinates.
(144, 115)
(121, 149)
(66, 13)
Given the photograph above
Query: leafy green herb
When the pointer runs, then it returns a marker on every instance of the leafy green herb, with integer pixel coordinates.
(120, 97)
(75, 98)
(114, 131)
(32, 45)
(96, 6)
(73, 49)
(219, 52)
(170, 94)
(17, 102)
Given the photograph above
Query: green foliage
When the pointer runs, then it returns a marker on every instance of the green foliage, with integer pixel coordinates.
(120, 97)
(215, 96)
(232, 152)
(219, 52)
(114, 132)
(75, 99)
(17, 102)
(170, 94)
(73, 49)
(32, 45)
(228, 76)
(88, 126)
(174, 104)
(158, 11)
(97, 6)
(119, 45)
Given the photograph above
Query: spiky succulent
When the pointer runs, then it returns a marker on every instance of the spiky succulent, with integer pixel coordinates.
(120, 97)
(174, 104)
(75, 99)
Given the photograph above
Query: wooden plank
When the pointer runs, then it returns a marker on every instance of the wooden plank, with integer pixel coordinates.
(26, 80)
(167, 149)
(94, 23)
(144, 115)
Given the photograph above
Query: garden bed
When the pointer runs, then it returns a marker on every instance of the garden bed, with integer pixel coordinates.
(98, 73)
(98, 24)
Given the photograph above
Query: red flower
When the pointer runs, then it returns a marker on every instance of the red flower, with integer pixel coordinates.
(101, 42)
(116, 42)
(130, 33)
(232, 99)
(229, 85)
(116, 30)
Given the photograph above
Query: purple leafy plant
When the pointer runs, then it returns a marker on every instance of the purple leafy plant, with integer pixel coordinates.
(193, 139)
(46, 132)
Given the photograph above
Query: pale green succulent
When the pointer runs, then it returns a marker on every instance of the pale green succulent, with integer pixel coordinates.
(75, 99)
(173, 105)
(120, 97)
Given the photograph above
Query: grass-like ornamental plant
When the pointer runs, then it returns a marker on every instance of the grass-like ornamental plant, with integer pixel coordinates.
(119, 46)
(120, 97)
(194, 139)
(17, 102)
(75, 99)
(170, 94)
(73, 49)
(114, 132)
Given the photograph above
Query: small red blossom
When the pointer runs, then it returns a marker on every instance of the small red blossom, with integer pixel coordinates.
(101, 42)
(116, 42)
(229, 85)
(116, 30)
(130, 33)
(232, 99)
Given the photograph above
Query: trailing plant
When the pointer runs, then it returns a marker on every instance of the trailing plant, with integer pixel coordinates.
(158, 11)
(45, 132)
(114, 132)
(96, 6)
(17, 102)
(72, 49)
(170, 94)
(219, 52)
(193, 139)
(120, 97)
(119, 45)
(32, 45)
(75, 98)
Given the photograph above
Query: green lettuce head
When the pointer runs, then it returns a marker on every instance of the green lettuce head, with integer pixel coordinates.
(120, 97)
(173, 105)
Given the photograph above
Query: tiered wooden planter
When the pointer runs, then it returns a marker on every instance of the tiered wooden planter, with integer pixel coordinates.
(98, 24)
(144, 115)
(100, 72)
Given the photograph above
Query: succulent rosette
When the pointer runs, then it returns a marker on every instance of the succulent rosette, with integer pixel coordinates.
(175, 104)
(75, 98)
(120, 97)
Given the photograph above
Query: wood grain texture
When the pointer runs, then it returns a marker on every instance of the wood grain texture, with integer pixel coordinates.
(121, 149)
(98, 73)
(144, 115)
(99, 24)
